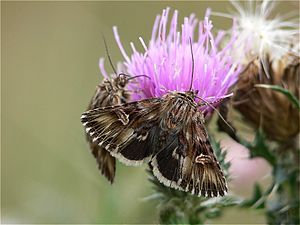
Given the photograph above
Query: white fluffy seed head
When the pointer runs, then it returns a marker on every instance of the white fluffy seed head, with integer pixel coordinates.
(260, 35)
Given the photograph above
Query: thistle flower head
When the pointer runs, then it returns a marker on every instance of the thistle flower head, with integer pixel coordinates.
(268, 109)
(167, 59)
(260, 35)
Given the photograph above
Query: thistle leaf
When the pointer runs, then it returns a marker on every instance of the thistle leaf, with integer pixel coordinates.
(255, 200)
(259, 148)
(221, 156)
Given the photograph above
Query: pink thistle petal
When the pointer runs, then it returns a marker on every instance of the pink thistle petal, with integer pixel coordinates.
(102, 69)
(167, 59)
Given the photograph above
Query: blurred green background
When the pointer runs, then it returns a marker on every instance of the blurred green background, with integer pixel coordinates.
(49, 57)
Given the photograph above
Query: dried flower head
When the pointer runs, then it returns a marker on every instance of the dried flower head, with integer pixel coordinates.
(167, 59)
(267, 108)
(259, 34)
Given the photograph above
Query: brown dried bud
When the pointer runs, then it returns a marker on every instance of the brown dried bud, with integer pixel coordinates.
(266, 108)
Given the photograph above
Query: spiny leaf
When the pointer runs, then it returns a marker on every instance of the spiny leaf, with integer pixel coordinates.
(256, 197)
(221, 156)
(226, 201)
(169, 214)
(259, 148)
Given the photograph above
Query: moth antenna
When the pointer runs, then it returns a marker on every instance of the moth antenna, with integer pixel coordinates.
(107, 53)
(214, 108)
(124, 74)
(193, 64)
(127, 75)
(139, 76)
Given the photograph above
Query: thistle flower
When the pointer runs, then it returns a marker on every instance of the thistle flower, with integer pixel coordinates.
(167, 59)
(260, 35)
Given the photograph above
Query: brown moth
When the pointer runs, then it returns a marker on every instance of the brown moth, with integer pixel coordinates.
(108, 93)
(167, 132)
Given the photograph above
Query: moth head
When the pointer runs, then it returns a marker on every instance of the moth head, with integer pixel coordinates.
(121, 80)
(189, 95)
(192, 93)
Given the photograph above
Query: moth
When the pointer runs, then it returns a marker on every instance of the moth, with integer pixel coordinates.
(168, 133)
(108, 93)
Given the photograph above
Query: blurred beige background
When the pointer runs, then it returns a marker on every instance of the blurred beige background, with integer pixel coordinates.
(50, 53)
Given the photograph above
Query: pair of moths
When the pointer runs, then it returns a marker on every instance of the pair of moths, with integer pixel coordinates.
(166, 132)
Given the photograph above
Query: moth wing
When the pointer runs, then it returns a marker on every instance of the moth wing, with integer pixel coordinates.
(166, 163)
(106, 162)
(127, 131)
(188, 162)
